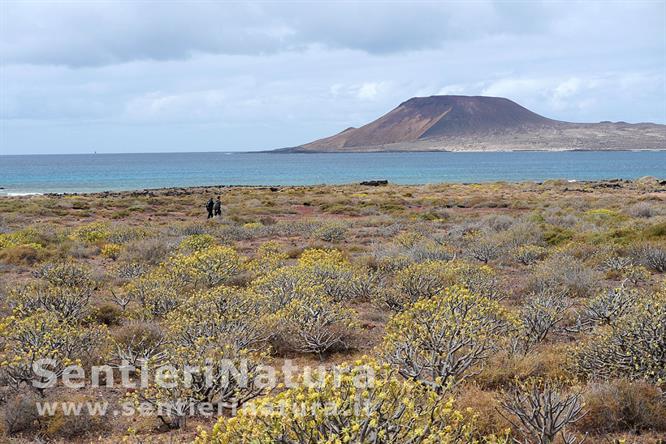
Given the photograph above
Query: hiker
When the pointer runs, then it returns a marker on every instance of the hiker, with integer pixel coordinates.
(209, 207)
(218, 206)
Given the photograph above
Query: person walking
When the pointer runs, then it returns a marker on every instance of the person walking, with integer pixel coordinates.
(218, 207)
(209, 207)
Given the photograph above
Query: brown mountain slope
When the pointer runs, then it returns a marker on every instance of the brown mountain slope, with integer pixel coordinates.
(465, 123)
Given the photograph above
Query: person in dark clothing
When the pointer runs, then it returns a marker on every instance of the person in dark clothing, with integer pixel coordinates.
(209, 207)
(218, 206)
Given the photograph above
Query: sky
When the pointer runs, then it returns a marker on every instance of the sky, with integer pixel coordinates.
(160, 76)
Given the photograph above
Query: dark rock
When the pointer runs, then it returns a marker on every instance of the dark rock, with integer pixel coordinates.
(374, 183)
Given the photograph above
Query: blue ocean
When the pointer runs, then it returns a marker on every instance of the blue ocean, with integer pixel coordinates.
(113, 172)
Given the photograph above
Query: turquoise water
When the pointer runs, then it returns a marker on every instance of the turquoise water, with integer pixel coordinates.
(112, 172)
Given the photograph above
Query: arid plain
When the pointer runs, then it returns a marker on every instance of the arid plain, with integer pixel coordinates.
(480, 306)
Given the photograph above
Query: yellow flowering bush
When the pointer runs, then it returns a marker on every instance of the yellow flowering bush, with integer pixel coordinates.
(124, 234)
(5, 241)
(603, 216)
(422, 280)
(27, 236)
(315, 256)
(252, 225)
(425, 279)
(43, 335)
(230, 315)
(283, 285)
(156, 294)
(269, 258)
(92, 233)
(206, 268)
(111, 251)
(440, 340)
(635, 273)
(196, 242)
(66, 274)
(214, 333)
(481, 280)
(327, 269)
(340, 280)
(348, 406)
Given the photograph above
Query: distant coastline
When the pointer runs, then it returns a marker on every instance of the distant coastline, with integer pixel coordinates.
(214, 188)
(297, 150)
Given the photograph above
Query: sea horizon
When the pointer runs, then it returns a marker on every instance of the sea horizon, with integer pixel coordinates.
(89, 173)
(281, 151)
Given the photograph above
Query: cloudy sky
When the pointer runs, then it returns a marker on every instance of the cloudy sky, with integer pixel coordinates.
(121, 76)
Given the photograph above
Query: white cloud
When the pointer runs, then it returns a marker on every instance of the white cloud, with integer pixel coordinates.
(179, 106)
(263, 75)
(369, 90)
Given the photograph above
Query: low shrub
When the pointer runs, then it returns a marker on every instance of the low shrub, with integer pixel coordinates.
(504, 368)
(543, 410)
(632, 346)
(485, 405)
(69, 427)
(21, 414)
(623, 406)
(28, 254)
(196, 242)
(331, 232)
(652, 256)
(313, 323)
(92, 233)
(608, 306)
(111, 251)
(541, 314)
(65, 289)
(643, 209)
(108, 314)
(566, 274)
(439, 340)
(529, 254)
(129, 270)
(138, 342)
(392, 411)
(430, 251)
(151, 251)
